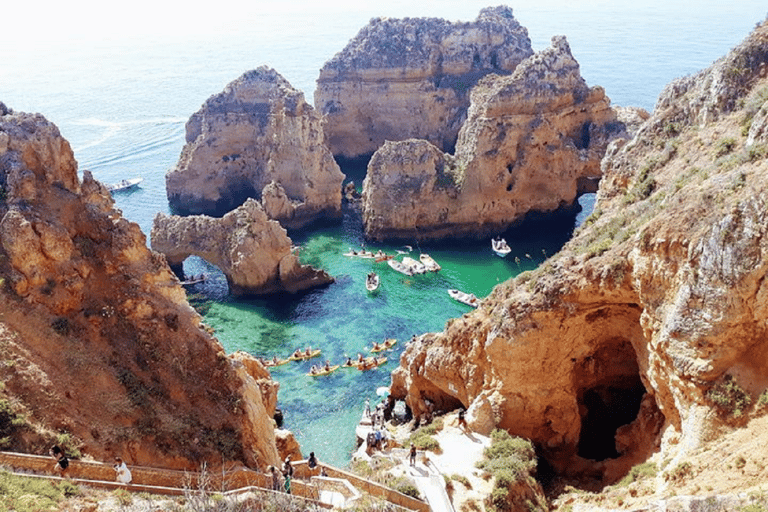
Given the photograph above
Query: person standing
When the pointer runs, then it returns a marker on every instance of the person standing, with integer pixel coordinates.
(275, 478)
(413, 455)
(62, 461)
(123, 473)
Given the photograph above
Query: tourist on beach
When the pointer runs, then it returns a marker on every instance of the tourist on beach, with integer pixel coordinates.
(288, 467)
(287, 484)
(312, 461)
(62, 461)
(462, 421)
(413, 455)
(123, 474)
(367, 408)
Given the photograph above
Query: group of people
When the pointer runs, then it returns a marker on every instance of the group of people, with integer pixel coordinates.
(281, 480)
(61, 467)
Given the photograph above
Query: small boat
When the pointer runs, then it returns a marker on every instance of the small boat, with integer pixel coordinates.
(388, 343)
(124, 184)
(428, 262)
(361, 254)
(500, 247)
(398, 266)
(371, 363)
(415, 266)
(372, 281)
(399, 251)
(381, 257)
(324, 371)
(466, 298)
(194, 280)
(303, 356)
(274, 362)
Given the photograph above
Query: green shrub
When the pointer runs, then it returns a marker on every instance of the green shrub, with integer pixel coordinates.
(638, 472)
(24, 494)
(725, 146)
(729, 397)
(509, 460)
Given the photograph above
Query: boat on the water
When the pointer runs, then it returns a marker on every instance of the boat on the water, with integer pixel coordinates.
(302, 355)
(415, 266)
(500, 247)
(386, 345)
(371, 363)
(372, 281)
(319, 372)
(466, 298)
(274, 362)
(194, 280)
(429, 262)
(400, 267)
(124, 184)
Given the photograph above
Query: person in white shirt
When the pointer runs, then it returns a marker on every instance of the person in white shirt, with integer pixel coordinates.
(123, 473)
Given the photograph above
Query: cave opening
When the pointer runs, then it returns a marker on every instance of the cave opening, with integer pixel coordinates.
(604, 408)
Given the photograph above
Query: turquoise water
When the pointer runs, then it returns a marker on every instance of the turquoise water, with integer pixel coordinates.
(121, 85)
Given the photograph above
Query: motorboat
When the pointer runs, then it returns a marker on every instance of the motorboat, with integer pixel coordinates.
(465, 298)
(415, 266)
(400, 267)
(429, 262)
(124, 185)
(500, 247)
(372, 281)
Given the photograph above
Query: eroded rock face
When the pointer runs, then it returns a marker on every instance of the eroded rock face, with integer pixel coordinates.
(257, 138)
(105, 346)
(532, 141)
(612, 350)
(253, 251)
(410, 78)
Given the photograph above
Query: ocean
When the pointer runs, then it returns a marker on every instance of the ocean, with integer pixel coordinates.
(121, 83)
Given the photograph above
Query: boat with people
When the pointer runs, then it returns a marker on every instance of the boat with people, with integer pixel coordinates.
(371, 363)
(386, 345)
(194, 280)
(500, 247)
(274, 362)
(429, 262)
(124, 184)
(466, 298)
(303, 355)
(415, 266)
(399, 267)
(319, 371)
(372, 281)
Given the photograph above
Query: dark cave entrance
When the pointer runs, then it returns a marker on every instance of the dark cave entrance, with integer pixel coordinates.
(609, 397)
(604, 410)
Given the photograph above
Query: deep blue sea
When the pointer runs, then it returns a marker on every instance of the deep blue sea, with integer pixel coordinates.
(120, 81)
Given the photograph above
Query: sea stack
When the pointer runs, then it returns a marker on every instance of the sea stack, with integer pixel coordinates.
(410, 78)
(253, 251)
(532, 142)
(257, 139)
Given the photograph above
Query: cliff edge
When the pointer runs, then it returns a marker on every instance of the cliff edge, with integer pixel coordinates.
(100, 350)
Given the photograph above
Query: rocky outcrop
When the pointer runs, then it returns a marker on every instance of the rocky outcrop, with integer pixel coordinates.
(258, 138)
(103, 353)
(410, 78)
(533, 140)
(647, 331)
(253, 251)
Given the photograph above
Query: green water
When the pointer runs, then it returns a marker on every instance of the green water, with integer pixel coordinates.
(344, 318)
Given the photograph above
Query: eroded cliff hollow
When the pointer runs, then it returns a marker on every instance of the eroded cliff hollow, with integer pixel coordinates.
(99, 349)
(647, 332)
(253, 251)
(258, 138)
(410, 78)
(532, 141)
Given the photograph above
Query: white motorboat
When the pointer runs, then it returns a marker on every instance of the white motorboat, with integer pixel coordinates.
(415, 266)
(466, 298)
(429, 262)
(399, 267)
(500, 247)
(372, 281)
(124, 184)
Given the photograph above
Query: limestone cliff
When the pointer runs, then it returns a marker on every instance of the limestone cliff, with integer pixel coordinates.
(647, 332)
(100, 350)
(253, 251)
(257, 138)
(410, 78)
(531, 142)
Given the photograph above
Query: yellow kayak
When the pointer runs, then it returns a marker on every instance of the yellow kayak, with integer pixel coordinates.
(269, 363)
(322, 372)
(388, 343)
(370, 364)
(303, 356)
